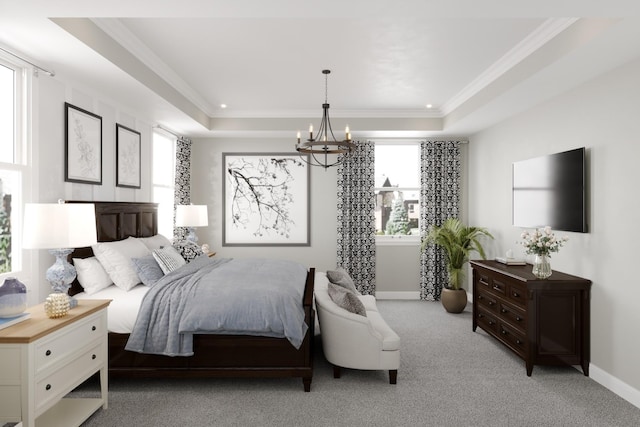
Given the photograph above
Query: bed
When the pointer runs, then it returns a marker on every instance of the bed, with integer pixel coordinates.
(214, 355)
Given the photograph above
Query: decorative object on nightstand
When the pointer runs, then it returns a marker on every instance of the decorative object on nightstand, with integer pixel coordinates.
(13, 298)
(192, 216)
(59, 227)
(57, 305)
(541, 242)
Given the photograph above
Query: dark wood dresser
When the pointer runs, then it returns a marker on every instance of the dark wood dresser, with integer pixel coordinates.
(545, 322)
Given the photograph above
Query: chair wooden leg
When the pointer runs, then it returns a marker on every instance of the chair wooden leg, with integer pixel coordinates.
(393, 376)
(336, 371)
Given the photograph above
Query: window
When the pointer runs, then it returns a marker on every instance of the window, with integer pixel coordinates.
(164, 157)
(12, 166)
(397, 173)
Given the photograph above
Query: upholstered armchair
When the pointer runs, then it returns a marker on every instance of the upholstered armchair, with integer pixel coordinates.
(352, 340)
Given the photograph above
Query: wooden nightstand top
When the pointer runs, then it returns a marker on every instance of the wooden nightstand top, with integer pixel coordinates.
(39, 325)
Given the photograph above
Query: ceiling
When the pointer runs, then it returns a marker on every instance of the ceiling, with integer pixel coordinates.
(177, 62)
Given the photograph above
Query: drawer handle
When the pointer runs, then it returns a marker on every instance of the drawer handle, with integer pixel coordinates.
(48, 387)
(518, 341)
(491, 322)
(491, 302)
(480, 297)
(496, 288)
(515, 294)
(93, 328)
(504, 332)
(503, 310)
(93, 357)
(480, 316)
(518, 318)
(47, 353)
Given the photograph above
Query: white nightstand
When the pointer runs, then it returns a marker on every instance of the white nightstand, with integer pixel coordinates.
(42, 359)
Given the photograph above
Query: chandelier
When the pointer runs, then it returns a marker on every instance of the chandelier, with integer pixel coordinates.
(324, 149)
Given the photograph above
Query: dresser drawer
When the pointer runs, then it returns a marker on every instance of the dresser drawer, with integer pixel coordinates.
(516, 293)
(488, 301)
(514, 316)
(50, 388)
(487, 320)
(68, 341)
(512, 338)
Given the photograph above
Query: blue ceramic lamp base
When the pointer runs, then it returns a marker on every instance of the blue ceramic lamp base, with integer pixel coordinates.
(61, 274)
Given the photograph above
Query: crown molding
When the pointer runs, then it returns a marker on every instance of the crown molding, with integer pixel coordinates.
(115, 29)
(542, 35)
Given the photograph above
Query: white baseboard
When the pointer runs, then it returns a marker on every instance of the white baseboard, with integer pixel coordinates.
(401, 295)
(614, 384)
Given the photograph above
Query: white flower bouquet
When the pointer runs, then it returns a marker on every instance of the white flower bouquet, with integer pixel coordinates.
(542, 241)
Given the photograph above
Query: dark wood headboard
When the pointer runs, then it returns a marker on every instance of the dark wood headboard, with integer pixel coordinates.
(117, 221)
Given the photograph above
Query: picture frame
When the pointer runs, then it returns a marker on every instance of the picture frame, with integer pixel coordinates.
(266, 199)
(83, 146)
(128, 163)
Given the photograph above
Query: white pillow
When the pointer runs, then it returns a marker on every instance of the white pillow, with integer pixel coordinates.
(91, 274)
(155, 242)
(168, 258)
(116, 257)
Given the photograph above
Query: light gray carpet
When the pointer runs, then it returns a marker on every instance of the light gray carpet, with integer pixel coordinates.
(449, 376)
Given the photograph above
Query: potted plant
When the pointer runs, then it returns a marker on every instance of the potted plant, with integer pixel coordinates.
(457, 241)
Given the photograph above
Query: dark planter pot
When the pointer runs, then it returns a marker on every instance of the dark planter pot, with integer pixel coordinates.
(454, 300)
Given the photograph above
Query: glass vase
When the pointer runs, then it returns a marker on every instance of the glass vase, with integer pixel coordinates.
(541, 267)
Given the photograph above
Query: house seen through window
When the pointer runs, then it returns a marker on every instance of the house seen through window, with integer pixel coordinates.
(397, 188)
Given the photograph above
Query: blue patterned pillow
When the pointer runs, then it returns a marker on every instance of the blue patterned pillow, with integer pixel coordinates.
(148, 269)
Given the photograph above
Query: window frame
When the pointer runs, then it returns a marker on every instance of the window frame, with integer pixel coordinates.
(162, 208)
(398, 239)
(20, 166)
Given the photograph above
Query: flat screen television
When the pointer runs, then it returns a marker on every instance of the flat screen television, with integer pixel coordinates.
(551, 190)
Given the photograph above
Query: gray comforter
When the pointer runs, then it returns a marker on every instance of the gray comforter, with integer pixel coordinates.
(221, 296)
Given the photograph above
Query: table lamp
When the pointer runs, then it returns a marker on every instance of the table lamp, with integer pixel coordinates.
(191, 216)
(59, 227)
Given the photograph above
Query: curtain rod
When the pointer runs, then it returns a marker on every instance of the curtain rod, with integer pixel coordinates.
(37, 67)
(168, 131)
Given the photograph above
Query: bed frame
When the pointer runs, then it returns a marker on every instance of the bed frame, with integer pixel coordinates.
(214, 355)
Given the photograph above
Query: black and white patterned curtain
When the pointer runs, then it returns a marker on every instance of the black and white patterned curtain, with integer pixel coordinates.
(439, 200)
(182, 196)
(356, 217)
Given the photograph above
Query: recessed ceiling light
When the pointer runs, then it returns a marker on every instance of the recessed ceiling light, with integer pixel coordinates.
(429, 105)
(223, 105)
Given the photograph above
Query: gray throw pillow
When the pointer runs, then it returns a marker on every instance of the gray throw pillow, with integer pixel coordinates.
(148, 269)
(346, 299)
(340, 277)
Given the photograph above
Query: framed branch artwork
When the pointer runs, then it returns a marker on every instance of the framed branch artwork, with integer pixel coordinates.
(265, 199)
(127, 157)
(83, 146)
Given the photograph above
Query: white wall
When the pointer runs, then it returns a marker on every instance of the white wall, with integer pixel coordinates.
(48, 146)
(206, 188)
(602, 116)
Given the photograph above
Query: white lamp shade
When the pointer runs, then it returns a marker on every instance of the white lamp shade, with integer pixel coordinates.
(59, 225)
(191, 216)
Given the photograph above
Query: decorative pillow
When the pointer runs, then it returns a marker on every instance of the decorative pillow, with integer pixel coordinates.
(91, 274)
(168, 258)
(188, 250)
(116, 258)
(148, 269)
(155, 242)
(346, 299)
(340, 277)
